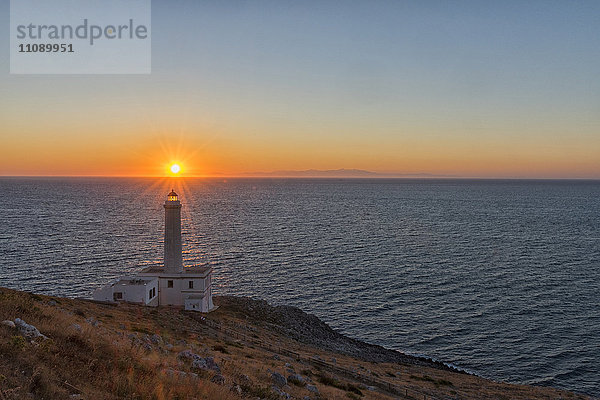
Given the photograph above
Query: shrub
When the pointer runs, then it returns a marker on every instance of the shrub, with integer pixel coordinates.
(263, 392)
(331, 381)
(354, 389)
(18, 342)
(296, 381)
(427, 378)
(221, 348)
(141, 329)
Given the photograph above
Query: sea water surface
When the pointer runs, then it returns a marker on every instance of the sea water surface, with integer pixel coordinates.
(499, 277)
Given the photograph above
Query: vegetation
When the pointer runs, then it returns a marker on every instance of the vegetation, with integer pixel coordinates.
(426, 378)
(295, 381)
(127, 351)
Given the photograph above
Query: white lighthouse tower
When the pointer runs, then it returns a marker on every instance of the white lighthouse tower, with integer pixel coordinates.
(173, 257)
(172, 283)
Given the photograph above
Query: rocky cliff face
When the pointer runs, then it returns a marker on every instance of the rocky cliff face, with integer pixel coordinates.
(307, 328)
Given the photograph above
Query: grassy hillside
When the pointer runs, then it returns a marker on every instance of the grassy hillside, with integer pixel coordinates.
(245, 349)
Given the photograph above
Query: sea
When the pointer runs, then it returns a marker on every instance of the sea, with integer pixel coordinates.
(498, 277)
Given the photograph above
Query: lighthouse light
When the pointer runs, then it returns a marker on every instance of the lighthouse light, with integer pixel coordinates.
(172, 196)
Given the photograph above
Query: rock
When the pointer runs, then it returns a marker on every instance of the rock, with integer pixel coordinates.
(207, 363)
(199, 363)
(92, 322)
(8, 323)
(306, 398)
(122, 326)
(156, 339)
(52, 303)
(333, 360)
(278, 379)
(236, 389)
(218, 379)
(288, 365)
(280, 392)
(169, 346)
(362, 386)
(148, 346)
(312, 388)
(276, 357)
(290, 371)
(186, 355)
(211, 364)
(29, 331)
(77, 327)
(244, 380)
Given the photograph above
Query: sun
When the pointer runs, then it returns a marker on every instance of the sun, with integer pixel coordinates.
(175, 168)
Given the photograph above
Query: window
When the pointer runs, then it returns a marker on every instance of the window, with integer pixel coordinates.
(118, 296)
(153, 291)
(150, 294)
(191, 284)
(169, 284)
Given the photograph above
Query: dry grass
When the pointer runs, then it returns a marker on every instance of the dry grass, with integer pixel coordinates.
(102, 362)
(95, 362)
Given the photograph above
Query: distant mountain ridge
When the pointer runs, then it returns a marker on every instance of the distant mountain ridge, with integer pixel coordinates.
(341, 173)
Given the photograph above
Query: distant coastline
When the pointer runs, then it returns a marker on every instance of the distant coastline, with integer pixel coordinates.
(339, 173)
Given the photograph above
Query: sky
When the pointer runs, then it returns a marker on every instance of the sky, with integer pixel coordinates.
(506, 89)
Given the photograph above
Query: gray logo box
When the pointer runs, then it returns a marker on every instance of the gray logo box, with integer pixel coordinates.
(80, 37)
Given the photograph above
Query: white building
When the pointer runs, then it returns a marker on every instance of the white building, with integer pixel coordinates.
(171, 284)
(132, 289)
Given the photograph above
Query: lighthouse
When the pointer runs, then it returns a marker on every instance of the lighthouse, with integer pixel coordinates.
(169, 284)
(173, 257)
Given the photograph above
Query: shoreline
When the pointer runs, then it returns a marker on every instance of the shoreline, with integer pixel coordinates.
(249, 344)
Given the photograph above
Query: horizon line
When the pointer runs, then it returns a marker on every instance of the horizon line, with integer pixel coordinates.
(375, 177)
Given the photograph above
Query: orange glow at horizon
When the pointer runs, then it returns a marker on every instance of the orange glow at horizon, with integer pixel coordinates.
(207, 151)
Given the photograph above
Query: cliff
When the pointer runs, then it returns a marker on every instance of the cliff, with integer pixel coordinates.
(58, 348)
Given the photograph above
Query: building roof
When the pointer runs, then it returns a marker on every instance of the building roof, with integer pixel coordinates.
(190, 270)
(196, 269)
(153, 269)
(172, 193)
(134, 281)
